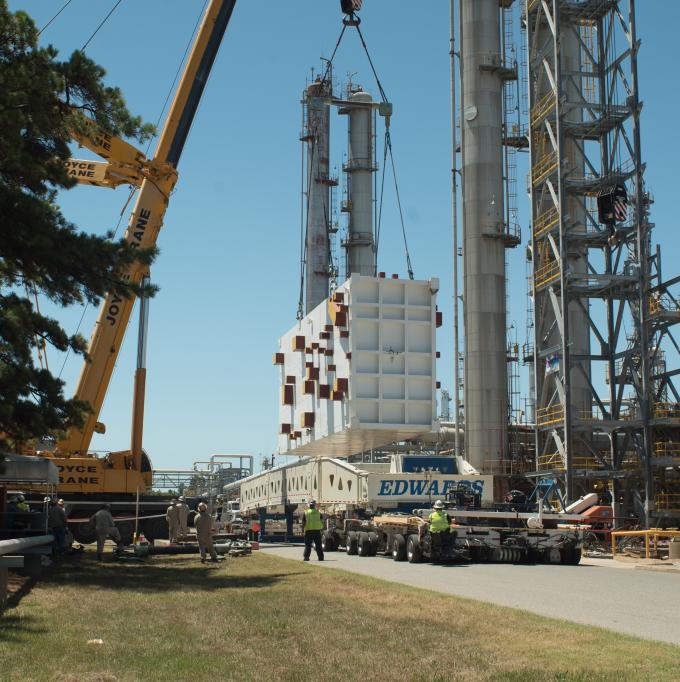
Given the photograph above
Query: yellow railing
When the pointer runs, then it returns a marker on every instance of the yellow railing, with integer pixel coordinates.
(552, 460)
(666, 449)
(666, 411)
(546, 221)
(531, 5)
(653, 535)
(544, 167)
(542, 108)
(547, 274)
(668, 501)
(552, 414)
(662, 304)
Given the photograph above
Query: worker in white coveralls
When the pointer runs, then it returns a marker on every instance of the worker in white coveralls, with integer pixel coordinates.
(183, 512)
(104, 528)
(204, 533)
(440, 522)
(172, 517)
(312, 525)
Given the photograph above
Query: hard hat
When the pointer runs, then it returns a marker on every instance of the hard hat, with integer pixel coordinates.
(60, 502)
(202, 506)
(439, 504)
(20, 497)
(181, 498)
(312, 503)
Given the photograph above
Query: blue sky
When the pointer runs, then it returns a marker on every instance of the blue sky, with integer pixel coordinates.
(228, 270)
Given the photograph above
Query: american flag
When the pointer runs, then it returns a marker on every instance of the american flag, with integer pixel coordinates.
(349, 6)
(620, 208)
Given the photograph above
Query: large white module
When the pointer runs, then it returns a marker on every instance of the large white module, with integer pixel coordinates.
(359, 371)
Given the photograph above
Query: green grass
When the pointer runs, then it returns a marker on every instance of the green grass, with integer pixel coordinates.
(264, 618)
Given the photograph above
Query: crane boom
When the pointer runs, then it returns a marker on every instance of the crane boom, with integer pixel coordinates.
(146, 220)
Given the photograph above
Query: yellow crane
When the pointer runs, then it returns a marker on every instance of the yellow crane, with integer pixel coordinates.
(129, 471)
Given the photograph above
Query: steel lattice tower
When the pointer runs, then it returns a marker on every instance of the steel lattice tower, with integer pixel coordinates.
(601, 310)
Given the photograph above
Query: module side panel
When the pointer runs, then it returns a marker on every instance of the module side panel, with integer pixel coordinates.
(359, 371)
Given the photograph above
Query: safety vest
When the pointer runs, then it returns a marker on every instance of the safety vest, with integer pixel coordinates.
(438, 521)
(313, 520)
(23, 506)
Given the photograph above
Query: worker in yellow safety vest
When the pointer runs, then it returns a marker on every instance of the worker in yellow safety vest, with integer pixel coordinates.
(312, 525)
(440, 522)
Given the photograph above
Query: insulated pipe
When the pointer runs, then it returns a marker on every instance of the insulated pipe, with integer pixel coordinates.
(483, 248)
(360, 169)
(19, 545)
(317, 137)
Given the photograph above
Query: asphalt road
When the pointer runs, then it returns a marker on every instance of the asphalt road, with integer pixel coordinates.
(618, 597)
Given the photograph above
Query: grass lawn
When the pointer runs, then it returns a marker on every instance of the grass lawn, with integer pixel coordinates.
(264, 618)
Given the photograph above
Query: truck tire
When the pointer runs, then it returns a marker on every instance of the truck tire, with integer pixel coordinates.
(154, 528)
(352, 543)
(83, 533)
(374, 543)
(364, 544)
(328, 542)
(398, 547)
(414, 552)
(127, 531)
(571, 556)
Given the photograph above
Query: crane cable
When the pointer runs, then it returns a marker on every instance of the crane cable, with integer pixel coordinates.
(104, 20)
(388, 149)
(64, 6)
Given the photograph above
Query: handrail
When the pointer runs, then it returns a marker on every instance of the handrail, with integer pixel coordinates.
(18, 545)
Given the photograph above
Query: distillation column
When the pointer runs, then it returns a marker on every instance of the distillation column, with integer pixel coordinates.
(483, 246)
(360, 168)
(317, 137)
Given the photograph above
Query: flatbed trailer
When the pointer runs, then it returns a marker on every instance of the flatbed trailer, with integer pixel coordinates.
(473, 536)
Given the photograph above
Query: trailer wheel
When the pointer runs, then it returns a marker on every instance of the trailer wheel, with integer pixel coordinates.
(328, 542)
(154, 528)
(83, 533)
(127, 531)
(352, 543)
(571, 556)
(374, 543)
(364, 544)
(399, 547)
(414, 552)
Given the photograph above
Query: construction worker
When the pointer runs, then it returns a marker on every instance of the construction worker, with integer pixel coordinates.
(312, 525)
(21, 504)
(440, 523)
(183, 516)
(56, 522)
(172, 517)
(104, 528)
(204, 530)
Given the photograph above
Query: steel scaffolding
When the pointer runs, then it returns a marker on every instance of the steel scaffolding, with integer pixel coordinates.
(605, 410)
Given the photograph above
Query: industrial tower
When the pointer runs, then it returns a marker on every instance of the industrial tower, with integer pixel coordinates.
(486, 232)
(316, 135)
(601, 309)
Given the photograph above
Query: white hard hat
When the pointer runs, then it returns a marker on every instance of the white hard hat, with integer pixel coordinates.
(20, 497)
(181, 498)
(438, 504)
(60, 502)
(202, 506)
